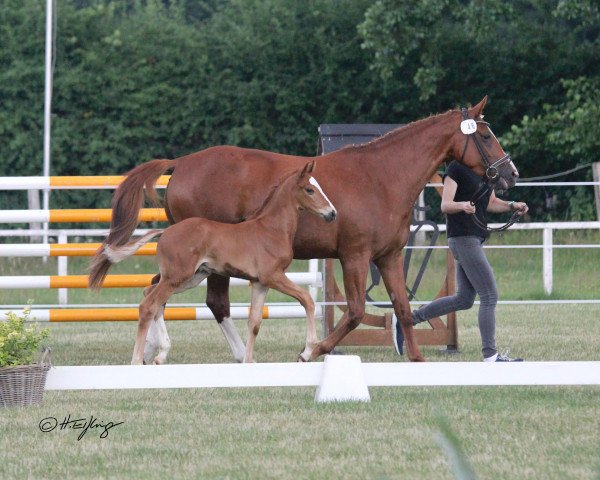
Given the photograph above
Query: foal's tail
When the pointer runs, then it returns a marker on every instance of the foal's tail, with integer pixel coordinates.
(108, 255)
(126, 205)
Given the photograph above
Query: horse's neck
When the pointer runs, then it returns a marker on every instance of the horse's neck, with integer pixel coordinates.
(280, 213)
(409, 156)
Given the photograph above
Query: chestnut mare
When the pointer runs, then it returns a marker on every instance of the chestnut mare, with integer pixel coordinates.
(373, 187)
(259, 250)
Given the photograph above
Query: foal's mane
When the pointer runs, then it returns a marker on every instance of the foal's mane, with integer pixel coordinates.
(269, 196)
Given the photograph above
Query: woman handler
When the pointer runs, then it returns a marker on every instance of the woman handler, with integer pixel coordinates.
(474, 275)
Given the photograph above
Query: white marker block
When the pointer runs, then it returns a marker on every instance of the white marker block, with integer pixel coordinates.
(342, 380)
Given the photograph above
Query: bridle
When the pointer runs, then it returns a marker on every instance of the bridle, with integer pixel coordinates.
(492, 169)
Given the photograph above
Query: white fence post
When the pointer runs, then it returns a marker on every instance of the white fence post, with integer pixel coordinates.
(547, 259)
(420, 216)
(63, 270)
(596, 175)
(313, 269)
(33, 203)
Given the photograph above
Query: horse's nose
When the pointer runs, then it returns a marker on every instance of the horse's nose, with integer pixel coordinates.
(331, 216)
(514, 172)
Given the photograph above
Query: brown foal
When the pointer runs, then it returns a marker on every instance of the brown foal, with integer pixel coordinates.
(259, 250)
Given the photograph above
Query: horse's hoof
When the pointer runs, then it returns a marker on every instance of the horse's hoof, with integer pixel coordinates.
(305, 354)
(418, 359)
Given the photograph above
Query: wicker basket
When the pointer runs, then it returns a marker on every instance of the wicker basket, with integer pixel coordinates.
(23, 385)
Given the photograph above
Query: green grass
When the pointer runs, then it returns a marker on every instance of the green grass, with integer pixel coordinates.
(505, 432)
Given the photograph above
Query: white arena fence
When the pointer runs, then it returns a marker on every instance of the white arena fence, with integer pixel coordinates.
(337, 378)
(312, 278)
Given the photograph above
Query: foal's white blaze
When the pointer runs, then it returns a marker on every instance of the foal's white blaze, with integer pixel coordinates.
(313, 181)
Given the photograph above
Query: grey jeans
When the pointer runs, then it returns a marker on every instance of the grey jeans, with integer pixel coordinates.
(474, 276)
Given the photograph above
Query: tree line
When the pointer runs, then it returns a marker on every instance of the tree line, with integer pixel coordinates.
(136, 80)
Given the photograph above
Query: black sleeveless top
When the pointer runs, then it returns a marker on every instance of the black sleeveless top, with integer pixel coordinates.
(461, 224)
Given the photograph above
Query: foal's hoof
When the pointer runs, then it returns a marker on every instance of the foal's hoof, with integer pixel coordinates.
(305, 356)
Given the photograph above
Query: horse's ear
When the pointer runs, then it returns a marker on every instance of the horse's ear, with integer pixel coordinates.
(308, 168)
(478, 109)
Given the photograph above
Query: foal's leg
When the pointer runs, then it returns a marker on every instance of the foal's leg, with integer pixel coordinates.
(259, 292)
(355, 284)
(152, 340)
(283, 284)
(164, 342)
(392, 273)
(217, 299)
(157, 340)
(150, 308)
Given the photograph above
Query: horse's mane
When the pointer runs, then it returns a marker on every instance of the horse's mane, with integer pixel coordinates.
(400, 132)
(267, 199)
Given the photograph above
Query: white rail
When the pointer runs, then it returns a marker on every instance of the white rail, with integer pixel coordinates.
(46, 183)
(547, 245)
(311, 374)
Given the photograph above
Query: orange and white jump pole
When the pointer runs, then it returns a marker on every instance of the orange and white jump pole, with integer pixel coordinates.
(62, 249)
(171, 313)
(71, 183)
(75, 215)
(124, 281)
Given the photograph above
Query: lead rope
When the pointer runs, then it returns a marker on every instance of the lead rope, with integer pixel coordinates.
(515, 217)
(481, 191)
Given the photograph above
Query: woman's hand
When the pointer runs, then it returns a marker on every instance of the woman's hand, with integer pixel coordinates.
(466, 207)
(520, 207)
(448, 204)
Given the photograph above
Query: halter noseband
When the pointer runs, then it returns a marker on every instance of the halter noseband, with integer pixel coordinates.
(490, 176)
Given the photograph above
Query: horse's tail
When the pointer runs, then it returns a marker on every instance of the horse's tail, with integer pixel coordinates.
(126, 205)
(108, 255)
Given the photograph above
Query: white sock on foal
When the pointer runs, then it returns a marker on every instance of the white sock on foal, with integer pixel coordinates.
(158, 342)
(233, 339)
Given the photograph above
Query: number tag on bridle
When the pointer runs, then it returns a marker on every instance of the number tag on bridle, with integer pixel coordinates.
(468, 127)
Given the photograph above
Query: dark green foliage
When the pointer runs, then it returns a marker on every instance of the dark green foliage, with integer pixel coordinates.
(564, 135)
(448, 52)
(136, 80)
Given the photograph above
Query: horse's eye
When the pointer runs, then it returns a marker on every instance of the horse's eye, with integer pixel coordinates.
(310, 191)
(486, 136)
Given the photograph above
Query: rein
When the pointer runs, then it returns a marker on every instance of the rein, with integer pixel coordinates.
(490, 177)
(514, 218)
